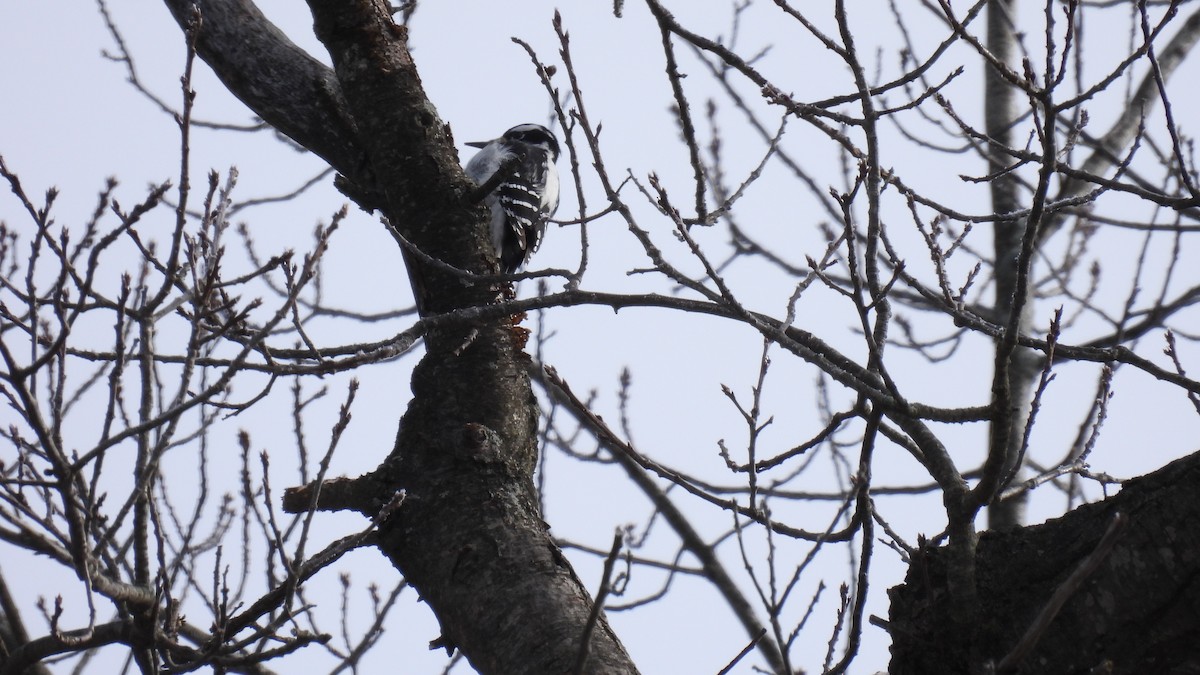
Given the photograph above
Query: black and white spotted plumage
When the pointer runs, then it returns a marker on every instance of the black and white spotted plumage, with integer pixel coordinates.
(524, 199)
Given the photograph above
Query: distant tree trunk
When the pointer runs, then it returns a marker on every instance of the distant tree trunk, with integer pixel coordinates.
(468, 534)
(1015, 370)
(1137, 612)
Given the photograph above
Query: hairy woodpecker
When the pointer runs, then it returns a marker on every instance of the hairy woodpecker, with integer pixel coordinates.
(525, 197)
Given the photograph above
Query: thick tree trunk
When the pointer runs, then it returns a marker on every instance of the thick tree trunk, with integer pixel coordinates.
(468, 534)
(1137, 612)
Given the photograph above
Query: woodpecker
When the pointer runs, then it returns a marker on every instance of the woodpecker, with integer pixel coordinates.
(525, 198)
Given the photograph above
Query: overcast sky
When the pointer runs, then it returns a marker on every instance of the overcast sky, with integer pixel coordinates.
(69, 119)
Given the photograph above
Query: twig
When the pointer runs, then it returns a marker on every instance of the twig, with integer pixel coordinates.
(742, 654)
(598, 603)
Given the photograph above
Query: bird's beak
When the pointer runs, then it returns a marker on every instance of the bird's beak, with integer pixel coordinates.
(478, 144)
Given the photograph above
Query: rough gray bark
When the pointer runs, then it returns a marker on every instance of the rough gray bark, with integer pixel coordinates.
(468, 534)
(1138, 612)
(280, 82)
